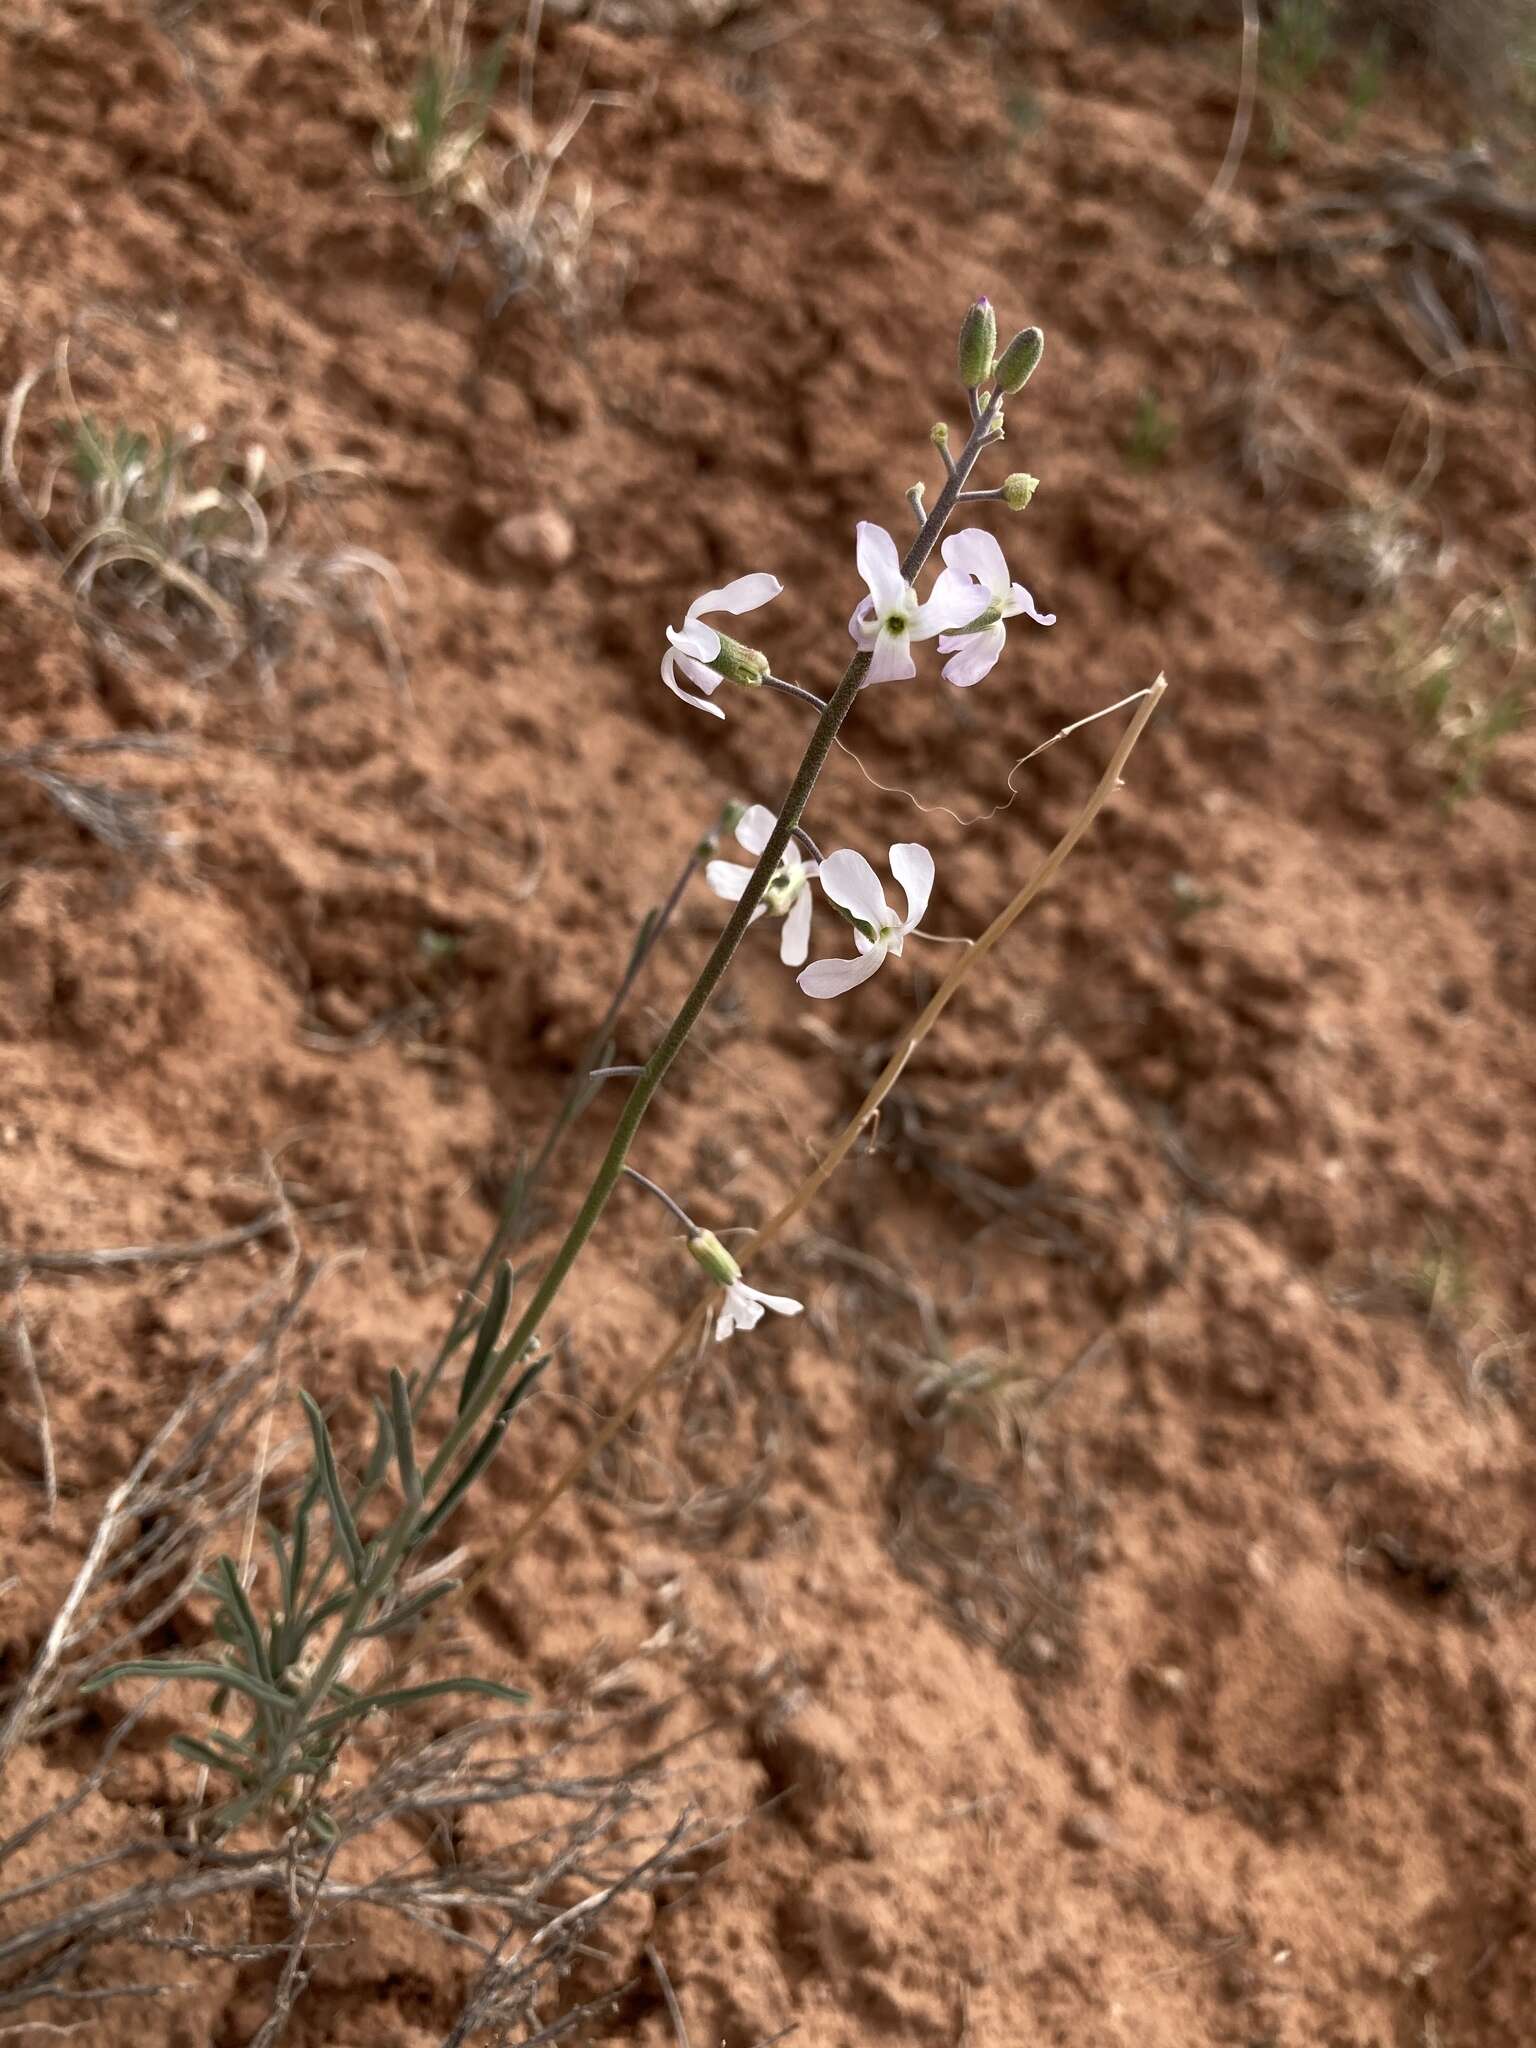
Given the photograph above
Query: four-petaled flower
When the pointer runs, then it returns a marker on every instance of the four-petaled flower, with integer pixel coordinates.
(976, 573)
(890, 618)
(698, 647)
(788, 895)
(854, 886)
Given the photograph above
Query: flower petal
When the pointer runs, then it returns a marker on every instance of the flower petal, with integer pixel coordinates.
(781, 1304)
(745, 594)
(951, 603)
(1019, 600)
(795, 938)
(880, 566)
(728, 878)
(975, 552)
(973, 655)
(951, 589)
(740, 1310)
(861, 626)
(912, 865)
(892, 659)
(836, 977)
(697, 639)
(669, 662)
(708, 679)
(853, 885)
(755, 828)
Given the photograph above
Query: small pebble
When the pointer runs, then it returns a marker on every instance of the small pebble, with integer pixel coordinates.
(1088, 1831)
(531, 540)
(1098, 1777)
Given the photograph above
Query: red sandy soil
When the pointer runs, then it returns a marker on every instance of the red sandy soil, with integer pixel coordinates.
(1181, 1693)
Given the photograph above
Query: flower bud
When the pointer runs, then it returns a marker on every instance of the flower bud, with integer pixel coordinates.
(978, 343)
(731, 816)
(1018, 489)
(714, 1258)
(938, 434)
(1020, 359)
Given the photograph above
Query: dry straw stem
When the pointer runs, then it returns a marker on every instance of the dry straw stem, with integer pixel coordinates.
(695, 1323)
(1242, 120)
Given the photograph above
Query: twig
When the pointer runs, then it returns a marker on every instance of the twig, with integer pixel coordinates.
(674, 2010)
(291, 1984)
(26, 1358)
(16, 1262)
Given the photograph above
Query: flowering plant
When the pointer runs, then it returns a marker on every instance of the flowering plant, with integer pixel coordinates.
(294, 1671)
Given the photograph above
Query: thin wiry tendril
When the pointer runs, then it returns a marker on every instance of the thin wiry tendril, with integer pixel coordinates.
(984, 817)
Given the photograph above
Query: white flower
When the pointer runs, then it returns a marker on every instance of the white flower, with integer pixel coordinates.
(697, 644)
(976, 570)
(890, 618)
(854, 886)
(788, 895)
(743, 1308)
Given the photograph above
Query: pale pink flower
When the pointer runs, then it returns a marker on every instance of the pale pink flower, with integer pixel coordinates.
(890, 618)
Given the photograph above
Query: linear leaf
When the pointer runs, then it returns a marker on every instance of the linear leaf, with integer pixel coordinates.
(330, 1480)
(241, 1612)
(484, 1451)
(485, 1338)
(383, 1446)
(197, 1752)
(405, 1437)
(227, 1677)
(408, 1695)
(410, 1610)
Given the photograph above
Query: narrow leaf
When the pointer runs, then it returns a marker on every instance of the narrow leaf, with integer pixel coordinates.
(405, 1437)
(408, 1695)
(197, 1752)
(228, 1677)
(243, 1615)
(330, 1480)
(279, 1551)
(483, 1452)
(383, 1446)
(485, 1338)
(410, 1610)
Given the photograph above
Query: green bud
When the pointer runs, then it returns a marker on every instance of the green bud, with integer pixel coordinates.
(1020, 359)
(939, 435)
(714, 1258)
(739, 664)
(731, 815)
(978, 343)
(1018, 489)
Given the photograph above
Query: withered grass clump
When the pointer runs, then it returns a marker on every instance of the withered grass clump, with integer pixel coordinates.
(186, 539)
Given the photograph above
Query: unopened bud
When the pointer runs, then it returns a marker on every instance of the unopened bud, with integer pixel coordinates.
(1020, 359)
(1018, 489)
(714, 1258)
(732, 816)
(938, 434)
(739, 664)
(978, 343)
